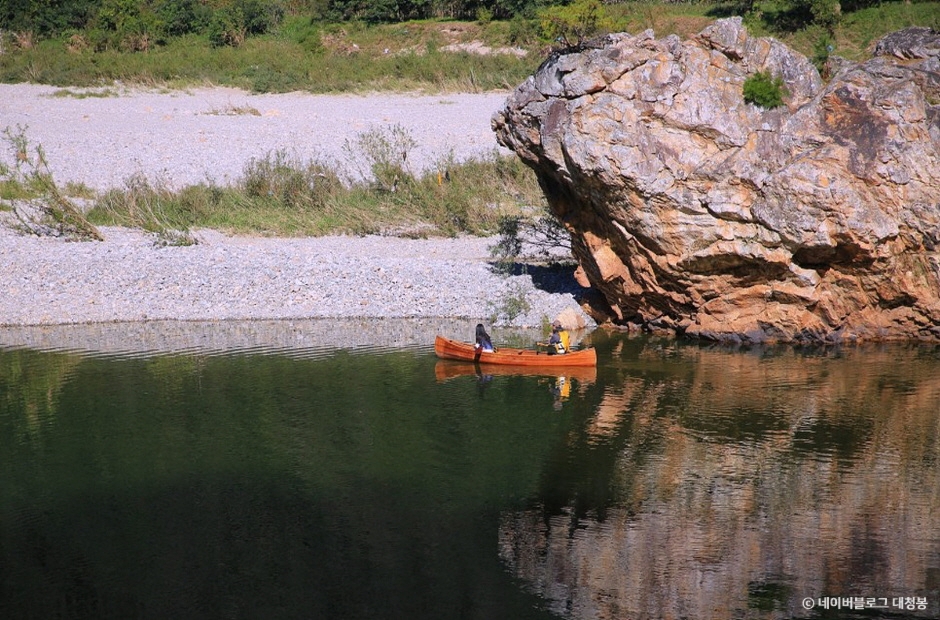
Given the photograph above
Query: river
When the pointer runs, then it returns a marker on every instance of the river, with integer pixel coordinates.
(360, 481)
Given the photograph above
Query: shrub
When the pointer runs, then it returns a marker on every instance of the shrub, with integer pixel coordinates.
(227, 27)
(181, 17)
(383, 155)
(523, 31)
(290, 182)
(152, 207)
(41, 207)
(764, 90)
(573, 24)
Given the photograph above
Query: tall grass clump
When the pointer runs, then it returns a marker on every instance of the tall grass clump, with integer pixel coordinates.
(28, 188)
(152, 207)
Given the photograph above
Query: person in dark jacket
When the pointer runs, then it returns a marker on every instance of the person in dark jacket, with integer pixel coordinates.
(483, 340)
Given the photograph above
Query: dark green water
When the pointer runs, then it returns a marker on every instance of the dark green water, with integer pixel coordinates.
(679, 481)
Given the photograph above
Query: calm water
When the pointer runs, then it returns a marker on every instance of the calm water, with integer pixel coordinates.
(676, 481)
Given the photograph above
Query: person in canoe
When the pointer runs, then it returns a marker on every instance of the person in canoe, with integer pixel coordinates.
(560, 342)
(483, 341)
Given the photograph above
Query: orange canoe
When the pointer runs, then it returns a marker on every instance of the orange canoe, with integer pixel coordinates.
(454, 350)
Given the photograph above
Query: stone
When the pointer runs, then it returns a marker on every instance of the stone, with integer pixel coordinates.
(694, 211)
(571, 319)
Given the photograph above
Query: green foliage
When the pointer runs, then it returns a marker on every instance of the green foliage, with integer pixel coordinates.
(129, 25)
(826, 13)
(289, 182)
(227, 27)
(181, 17)
(308, 35)
(573, 24)
(46, 17)
(379, 11)
(280, 195)
(523, 31)
(764, 90)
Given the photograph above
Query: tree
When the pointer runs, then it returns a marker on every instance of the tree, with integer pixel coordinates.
(46, 17)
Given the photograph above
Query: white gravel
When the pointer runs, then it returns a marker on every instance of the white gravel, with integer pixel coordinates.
(101, 141)
(209, 134)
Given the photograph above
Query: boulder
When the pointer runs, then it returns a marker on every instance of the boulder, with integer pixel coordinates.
(695, 211)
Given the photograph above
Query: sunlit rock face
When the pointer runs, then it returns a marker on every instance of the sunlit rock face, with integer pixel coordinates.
(695, 211)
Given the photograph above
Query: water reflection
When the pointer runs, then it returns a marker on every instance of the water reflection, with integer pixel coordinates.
(277, 479)
(345, 485)
(711, 483)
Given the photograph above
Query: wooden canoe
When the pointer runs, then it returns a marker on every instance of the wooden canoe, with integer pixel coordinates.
(455, 350)
(445, 370)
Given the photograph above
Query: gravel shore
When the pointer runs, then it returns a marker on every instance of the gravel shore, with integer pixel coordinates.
(209, 134)
(101, 141)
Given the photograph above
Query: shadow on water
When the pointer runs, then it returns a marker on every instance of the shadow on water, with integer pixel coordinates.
(675, 480)
(214, 548)
(258, 486)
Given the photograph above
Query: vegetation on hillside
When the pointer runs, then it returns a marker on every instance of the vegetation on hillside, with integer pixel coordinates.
(343, 45)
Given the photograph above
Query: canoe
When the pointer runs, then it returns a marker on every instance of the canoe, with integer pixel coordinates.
(448, 349)
(445, 370)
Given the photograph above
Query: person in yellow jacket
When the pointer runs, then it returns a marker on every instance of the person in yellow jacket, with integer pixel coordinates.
(559, 342)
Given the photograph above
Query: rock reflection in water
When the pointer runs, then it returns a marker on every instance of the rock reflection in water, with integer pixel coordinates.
(739, 484)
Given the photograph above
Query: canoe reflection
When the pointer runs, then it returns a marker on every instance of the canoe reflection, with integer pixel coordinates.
(445, 370)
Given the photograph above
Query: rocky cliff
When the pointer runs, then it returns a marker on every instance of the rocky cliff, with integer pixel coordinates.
(695, 211)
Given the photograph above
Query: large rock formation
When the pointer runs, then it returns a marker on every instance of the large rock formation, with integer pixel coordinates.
(693, 210)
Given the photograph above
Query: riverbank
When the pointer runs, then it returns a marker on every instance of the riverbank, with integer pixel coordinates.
(187, 137)
(49, 281)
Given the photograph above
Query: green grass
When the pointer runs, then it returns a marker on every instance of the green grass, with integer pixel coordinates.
(351, 58)
(854, 35)
(325, 58)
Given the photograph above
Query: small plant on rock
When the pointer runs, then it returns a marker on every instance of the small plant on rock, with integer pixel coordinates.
(764, 90)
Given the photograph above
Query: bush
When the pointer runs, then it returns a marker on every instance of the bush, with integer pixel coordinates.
(764, 90)
(523, 31)
(573, 24)
(181, 17)
(231, 24)
(30, 190)
(382, 154)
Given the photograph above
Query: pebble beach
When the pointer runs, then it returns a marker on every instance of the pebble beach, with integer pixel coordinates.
(181, 138)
